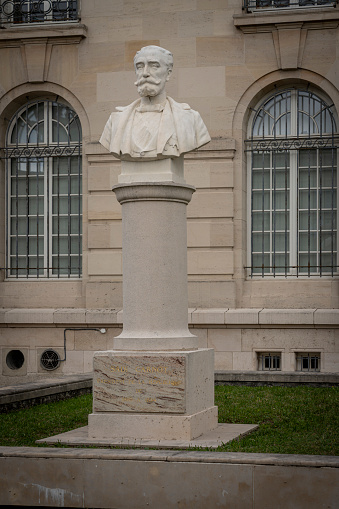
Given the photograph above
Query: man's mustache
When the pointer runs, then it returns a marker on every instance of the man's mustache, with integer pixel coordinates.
(151, 81)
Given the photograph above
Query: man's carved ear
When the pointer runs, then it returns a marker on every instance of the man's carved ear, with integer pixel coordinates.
(169, 72)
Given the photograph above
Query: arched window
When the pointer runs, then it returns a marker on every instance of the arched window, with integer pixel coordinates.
(44, 208)
(293, 186)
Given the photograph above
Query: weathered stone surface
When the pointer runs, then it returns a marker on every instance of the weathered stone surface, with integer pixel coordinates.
(139, 383)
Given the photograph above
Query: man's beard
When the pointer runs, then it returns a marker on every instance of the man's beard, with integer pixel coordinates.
(148, 87)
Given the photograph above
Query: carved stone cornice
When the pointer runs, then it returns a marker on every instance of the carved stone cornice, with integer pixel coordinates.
(259, 22)
(36, 43)
(289, 30)
(15, 36)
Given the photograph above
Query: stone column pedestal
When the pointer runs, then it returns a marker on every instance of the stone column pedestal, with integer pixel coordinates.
(156, 383)
(154, 266)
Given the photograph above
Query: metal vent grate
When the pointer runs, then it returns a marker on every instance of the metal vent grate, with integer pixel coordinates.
(50, 360)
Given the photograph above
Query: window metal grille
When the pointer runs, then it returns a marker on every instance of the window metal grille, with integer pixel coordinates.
(308, 361)
(44, 194)
(268, 5)
(268, 361)
(293, 181)
(38, 11)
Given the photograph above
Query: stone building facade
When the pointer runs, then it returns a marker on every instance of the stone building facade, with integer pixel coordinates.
(262, 226)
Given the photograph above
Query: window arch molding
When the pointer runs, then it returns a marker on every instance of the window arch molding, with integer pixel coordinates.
(292, 147)
(43, 183)
(17, 97)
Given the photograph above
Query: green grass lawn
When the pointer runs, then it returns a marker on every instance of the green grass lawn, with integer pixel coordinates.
(298, 420)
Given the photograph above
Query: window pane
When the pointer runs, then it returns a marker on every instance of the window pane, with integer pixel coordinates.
(19, 245)
(60, 185)
(307, 158)
(280, 179)
(76, 247)
(35, 205)
(281, 241)
(259, 261)
(60, 205)
(308, 199)
(261, 200)
(281, 200)
(19, 225)
(281, 263)
(329, 219)
(308, 241)
(75, 204)
(328, 157)
(328, 241)
(18, 186)
(20, 205)
(307, 178)
(307, 262)
(36, 186)
(329, 262)
(60, 165)
(329, 178)
(36, 246)
(282, 220)
(260, 240)
(261, 160)
(60, 245)
(258, 176)
(36, 224)
(328, 198)
(307, 220)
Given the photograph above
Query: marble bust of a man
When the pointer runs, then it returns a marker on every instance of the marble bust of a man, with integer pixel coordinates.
(154, 126)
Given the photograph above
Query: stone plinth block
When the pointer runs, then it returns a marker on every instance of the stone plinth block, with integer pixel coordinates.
(162, 395)
(162, 170)
(152, 426)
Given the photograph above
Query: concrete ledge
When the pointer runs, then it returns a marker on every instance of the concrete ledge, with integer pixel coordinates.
(196, 316)
(259, 378)
(35, 393)
(55, 477)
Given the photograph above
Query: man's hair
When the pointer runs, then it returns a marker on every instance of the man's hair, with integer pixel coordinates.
(167, 54)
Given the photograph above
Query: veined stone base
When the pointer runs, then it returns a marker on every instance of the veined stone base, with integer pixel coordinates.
(153, 395)
(151, 426)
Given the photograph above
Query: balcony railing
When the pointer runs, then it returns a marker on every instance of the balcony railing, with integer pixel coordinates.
(270, 5)
(37, 11)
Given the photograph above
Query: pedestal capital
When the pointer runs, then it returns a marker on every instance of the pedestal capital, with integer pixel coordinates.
(154, 191)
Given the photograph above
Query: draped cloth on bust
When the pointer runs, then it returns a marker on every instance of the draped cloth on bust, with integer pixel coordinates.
(167, 130)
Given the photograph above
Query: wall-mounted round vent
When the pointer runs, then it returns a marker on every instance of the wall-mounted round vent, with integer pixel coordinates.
(15, 359)
(50, 360)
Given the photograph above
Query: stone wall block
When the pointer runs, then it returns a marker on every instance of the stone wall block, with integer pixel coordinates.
(326, 316)
(106, 263)
(211, 204)
(69, 316)
(29, 316)
(209, 262)
(208, 316)
(101, 316)
(224, 340)
(286, 316)
(242, 316)
(103, 207)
